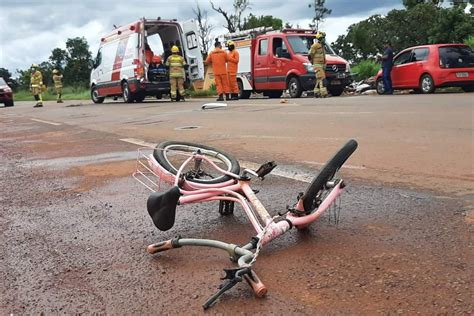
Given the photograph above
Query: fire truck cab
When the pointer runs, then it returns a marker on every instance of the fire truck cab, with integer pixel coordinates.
(274, 61)
(121, 67)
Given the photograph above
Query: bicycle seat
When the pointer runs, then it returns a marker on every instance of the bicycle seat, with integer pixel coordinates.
(162, 208)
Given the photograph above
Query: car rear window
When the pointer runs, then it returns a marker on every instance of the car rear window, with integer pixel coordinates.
(456, 57)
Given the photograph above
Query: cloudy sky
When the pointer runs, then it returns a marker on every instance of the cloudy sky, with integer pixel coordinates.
(30, 29)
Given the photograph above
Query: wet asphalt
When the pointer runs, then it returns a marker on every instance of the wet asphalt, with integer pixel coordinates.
(75, 228)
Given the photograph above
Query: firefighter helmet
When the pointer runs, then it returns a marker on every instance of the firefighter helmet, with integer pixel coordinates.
(34, 66)
(320, 36)
(55, 71)
(230, 43)
(175, 49)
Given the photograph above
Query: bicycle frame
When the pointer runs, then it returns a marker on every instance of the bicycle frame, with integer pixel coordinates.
(228, 191)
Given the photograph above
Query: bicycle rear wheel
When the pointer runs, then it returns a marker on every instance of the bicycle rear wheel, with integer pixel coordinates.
(313, 194)
(171, 155)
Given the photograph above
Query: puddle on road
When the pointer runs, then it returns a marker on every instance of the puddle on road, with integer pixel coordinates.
(68, 162)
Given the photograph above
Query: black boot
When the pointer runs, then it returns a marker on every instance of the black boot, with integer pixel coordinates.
(220, 98)
(235, 96)
(227, 97)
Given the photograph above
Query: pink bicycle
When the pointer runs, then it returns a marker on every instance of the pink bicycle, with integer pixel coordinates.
(200, 173)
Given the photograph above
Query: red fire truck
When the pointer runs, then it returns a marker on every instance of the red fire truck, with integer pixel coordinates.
(274, 61)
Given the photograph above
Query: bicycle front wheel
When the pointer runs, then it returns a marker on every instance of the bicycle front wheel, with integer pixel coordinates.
(313, 194)
(171, 155)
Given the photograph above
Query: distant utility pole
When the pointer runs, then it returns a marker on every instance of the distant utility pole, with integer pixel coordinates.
(320, 13)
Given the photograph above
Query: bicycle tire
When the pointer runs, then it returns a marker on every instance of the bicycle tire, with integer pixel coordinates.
(231, 164)
(326, 174)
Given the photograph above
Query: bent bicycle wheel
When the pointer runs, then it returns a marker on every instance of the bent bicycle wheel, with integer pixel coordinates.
(171, 155)
(312, 196)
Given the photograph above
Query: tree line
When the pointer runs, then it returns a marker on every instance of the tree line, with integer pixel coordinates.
(419, 23)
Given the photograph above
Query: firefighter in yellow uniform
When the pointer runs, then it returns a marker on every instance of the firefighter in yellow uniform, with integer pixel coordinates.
(58, 85)
(176, 65)
(36, 85)
(317, 57)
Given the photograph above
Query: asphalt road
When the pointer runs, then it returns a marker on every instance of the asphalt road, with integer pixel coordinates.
(74, 223)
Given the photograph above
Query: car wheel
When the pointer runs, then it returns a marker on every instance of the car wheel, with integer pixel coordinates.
(294, 87)
(95, 95)
(380, 86)
(9, 103)
(126, 93)
(427, 84)
(468, 88)
(139, 98)
(243, 94)
(159, 96)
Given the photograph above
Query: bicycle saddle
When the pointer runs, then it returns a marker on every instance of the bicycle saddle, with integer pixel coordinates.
(162, 208)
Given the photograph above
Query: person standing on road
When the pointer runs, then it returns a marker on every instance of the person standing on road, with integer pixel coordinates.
(218, 59)
(58, 85)
(176, 65)
(232, 66)
(387, 63)
(36, 85)
(317, 56)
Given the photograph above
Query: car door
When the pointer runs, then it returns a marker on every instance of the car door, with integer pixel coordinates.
(279, 63)
(416, 67)
(193, 49)
(400, 63)
(261, 65)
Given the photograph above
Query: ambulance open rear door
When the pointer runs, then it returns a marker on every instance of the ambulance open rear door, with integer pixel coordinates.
(192, 47)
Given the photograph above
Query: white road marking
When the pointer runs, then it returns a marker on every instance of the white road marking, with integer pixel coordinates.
(138, 142)
(46, 122)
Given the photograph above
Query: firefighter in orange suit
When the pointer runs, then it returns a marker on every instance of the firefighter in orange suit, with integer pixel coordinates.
(232, 66)
(176, 65)
(218, 59)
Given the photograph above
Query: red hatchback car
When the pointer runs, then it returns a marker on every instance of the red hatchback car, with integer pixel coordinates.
(425, 68)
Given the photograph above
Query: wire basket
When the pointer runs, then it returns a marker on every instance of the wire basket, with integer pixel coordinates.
(144, 172)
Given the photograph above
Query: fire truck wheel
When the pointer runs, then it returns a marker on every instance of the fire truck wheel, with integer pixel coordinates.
(243, 94)
(294, 87)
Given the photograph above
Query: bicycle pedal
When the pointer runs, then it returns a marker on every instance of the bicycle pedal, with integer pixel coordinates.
(226, 207)
(265, 169)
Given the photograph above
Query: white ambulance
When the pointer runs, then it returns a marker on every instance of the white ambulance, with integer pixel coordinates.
(121, 68)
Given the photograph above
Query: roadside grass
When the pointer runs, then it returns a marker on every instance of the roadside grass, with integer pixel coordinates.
(69, 93)
(365, 69)
(75, 93)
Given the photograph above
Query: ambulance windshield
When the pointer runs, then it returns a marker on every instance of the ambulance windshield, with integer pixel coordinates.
(302, 43)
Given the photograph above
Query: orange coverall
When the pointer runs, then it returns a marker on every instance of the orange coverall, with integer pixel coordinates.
(218, 58)
(232, 65)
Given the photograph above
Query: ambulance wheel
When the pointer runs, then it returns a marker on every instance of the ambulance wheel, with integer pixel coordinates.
(243, 94)
(95, 96)
(294, 87)
(126, 93)
(159, 96)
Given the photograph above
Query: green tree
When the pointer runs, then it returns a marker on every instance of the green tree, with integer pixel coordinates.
(253, 21)
(79, 62)
(58, 58)
(5, 74)
(320, 13)
(24, 78)
(452, 25)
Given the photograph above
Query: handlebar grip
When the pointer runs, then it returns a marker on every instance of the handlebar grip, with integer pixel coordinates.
(258, 287)
(159, 247)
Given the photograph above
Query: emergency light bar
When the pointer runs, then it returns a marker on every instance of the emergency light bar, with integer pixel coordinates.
(299, 31)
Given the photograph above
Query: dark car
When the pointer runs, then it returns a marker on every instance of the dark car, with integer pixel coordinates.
(425, 68)
(6, 94)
